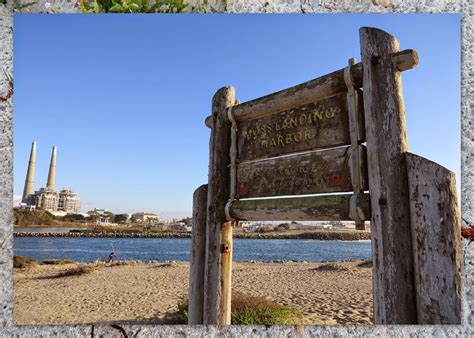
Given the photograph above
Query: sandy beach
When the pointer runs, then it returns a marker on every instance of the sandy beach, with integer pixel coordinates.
(137, 292)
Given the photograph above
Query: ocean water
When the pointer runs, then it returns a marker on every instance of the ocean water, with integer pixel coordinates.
(178, 249)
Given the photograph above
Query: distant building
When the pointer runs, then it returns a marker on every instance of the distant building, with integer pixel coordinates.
(245, 225)
(47, 198)
(103, 220)
(337, 224)
(349, 225)
(323, 226)
(69, 201)
(145, 216)
(27, 206)
(58, 213)
(54, 201)
(179, 227)
(97, 211)
(100, 216)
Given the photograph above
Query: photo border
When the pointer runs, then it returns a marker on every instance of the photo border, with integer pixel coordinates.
(464, 7)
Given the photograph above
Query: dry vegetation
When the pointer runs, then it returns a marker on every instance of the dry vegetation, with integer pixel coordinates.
(20, 262)
(333, 267)
(57, 261)
(78, 270)
(249, 310)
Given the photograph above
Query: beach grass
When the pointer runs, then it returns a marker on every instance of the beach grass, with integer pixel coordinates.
(57, 261)
(21, 262)
(78, 270)
(365, 264)
(333, 267)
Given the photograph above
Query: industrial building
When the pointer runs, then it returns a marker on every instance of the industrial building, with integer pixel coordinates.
(47, 198)
(69, 201)
(145, 217)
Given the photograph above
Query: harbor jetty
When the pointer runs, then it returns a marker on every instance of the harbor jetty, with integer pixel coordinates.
(324, 235)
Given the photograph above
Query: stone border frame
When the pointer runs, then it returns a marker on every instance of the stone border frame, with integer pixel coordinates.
(464, 7)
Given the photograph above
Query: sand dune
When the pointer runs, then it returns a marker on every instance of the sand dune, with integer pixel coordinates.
(136, 292)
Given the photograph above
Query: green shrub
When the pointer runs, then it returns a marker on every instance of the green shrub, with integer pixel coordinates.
(250, 310)
(73, 217)
(32, 217)
(132, 6)
(182, 314)
(281, 315)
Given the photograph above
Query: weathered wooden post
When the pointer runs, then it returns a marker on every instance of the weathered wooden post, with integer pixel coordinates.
(226, 274)
(436, 229)
(198, 257)
(393, 277)
(218, 194)
(227, 242)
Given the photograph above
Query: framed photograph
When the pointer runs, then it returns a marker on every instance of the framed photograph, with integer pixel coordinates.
(253, 174)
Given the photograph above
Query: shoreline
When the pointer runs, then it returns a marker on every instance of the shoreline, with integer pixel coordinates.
(317, 235)
(139, 261)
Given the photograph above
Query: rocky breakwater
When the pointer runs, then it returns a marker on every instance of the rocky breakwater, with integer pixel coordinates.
(105, 234)
(318, 235)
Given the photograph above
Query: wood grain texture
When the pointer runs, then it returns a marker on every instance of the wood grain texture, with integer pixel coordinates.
(313, 208)
(393, 279)
(436, 229)
(405, 60)
(198, 257)
(226, 274)
(307, 92)
(218, 193)
(316, 125)
(308, 173)
(310, 91)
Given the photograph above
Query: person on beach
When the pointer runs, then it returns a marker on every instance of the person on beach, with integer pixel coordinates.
(110, 258)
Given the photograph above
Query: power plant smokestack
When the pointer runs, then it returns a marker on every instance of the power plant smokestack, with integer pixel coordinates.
(30, 174)
(52, 170)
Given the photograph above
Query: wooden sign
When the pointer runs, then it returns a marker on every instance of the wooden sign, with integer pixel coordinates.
(269, 146)
(317, 125)
(309, 173)
(307, 208)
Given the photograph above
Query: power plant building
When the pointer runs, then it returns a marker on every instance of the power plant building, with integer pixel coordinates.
(47, 198)
(68, 201)
(44, 199)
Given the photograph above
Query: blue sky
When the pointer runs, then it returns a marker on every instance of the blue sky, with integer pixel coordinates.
(124, 97)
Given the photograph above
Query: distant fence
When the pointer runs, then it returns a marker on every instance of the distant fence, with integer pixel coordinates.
(343, 132)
